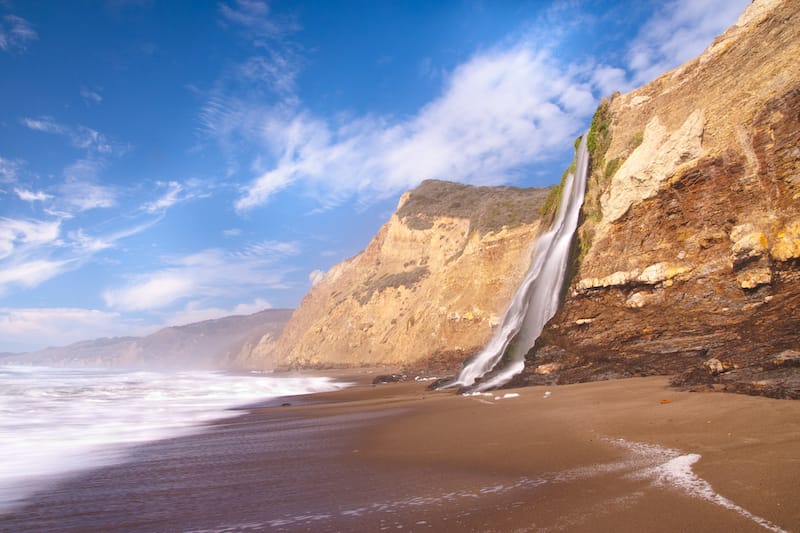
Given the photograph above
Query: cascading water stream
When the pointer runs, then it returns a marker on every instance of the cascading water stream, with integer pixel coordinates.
(537, 298)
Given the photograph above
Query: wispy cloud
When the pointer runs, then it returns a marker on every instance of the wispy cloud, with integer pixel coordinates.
(206, 274)
(9, 168)
(502, 110)
(610, 79)
(253, 17)
(80, 192)
(16, 33)
(678, 31)
(83, 243)
(275, 70)
(235, 105)
(151, 292)
(15, 233)
(79, 136)
(167, 200)
(91, 97)
(175, 193)
(27, 249)
(34, 251)
(44, 123)
(197, 311)
(274, 250)
(32, 273)
(32, 196)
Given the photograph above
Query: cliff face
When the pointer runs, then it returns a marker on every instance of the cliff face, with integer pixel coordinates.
(690, 242)
(429, 287)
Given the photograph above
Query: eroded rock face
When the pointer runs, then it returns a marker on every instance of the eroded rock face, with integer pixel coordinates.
(696, 256)
(427, 290)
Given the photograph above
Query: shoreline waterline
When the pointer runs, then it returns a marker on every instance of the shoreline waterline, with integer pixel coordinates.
(58, 421)
(396, 455)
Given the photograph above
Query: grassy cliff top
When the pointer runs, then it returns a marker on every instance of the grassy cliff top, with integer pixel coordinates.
(487, 208)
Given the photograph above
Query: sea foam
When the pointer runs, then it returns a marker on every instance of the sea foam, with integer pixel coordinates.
(57, 421)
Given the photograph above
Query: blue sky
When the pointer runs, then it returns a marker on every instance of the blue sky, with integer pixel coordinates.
(163, 162)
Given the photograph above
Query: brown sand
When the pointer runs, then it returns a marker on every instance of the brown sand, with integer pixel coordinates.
(749, 451)
(397, 457)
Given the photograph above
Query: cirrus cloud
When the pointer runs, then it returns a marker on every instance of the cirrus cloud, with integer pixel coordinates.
(499, 112)
(677, 32)
(211, 273)
(16, 33)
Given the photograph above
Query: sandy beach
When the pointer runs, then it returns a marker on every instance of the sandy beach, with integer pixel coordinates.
(628, 455)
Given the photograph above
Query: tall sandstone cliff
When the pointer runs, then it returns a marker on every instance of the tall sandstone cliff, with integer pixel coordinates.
(428, 288)
(689, 249)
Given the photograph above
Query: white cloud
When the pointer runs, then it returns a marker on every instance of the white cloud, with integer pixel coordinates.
(24, 329)
(176, 193)
(609, 79)
(273, 250)
(8, 170)
(195, 311)
(90, 97)
(677, 32)
(170, 198)
(277, 71)
(25, 247)
(34, 251)
(206, 274)
(16, 33)
(500, 111)
(254, 18)
(233, 232)
(31, 196)
(156, 291)
(44, 124)
(89, 139)
(83, 243)
(79, 136)
(255, 306)
(32, 273)
(80, 190)
(235, 106)
(80, 193)
(18, 232)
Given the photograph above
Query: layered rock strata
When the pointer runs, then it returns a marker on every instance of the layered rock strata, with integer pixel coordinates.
(690, 243)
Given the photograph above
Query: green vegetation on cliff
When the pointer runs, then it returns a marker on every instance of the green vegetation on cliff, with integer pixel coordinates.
(600, 174)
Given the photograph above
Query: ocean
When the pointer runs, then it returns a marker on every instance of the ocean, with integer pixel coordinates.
(57, 422)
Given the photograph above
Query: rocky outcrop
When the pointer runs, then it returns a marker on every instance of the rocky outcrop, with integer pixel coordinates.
(427, 290)
(690, 242)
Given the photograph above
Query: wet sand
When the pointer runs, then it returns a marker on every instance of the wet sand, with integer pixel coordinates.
(628, 455)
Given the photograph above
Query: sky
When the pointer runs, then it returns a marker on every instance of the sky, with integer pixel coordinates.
(165, 161)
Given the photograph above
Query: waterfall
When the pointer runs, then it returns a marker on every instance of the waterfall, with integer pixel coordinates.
(537, 298)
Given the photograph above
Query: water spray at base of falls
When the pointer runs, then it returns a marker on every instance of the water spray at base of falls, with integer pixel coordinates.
(537, 298)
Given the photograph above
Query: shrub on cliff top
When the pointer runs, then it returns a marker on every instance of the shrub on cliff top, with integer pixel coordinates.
(487, 208)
